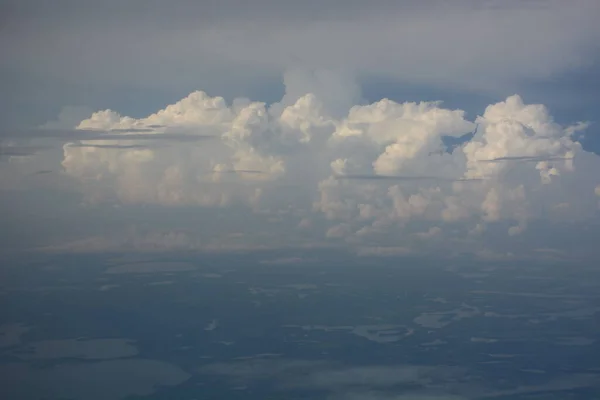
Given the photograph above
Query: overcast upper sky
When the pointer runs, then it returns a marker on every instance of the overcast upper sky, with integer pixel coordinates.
(231, 125)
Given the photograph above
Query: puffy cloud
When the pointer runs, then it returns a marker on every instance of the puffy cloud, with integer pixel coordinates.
(513, 130)
(387, 138)
(184, 174)
(373, 172)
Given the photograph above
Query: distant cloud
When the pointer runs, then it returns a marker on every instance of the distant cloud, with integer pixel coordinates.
(362, 178)
(69, 117)
(298, 141)
(134, 240)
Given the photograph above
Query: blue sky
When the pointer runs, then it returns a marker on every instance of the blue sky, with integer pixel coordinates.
(315, 76)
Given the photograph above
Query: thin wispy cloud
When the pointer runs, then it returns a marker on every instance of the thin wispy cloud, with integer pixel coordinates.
(405, 178)
(99, 134)
(113, 146)
(525, 159)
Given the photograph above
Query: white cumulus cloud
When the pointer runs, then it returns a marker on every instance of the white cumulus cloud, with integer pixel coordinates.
(371, 172)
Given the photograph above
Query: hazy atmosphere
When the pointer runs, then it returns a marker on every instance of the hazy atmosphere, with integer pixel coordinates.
(376, 171)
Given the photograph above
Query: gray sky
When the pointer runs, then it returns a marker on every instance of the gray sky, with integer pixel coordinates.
(94, 51)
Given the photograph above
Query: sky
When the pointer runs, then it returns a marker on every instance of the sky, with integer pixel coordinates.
(383, 128)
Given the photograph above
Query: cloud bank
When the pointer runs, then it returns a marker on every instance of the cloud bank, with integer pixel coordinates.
(374, 174)
(466, 44)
